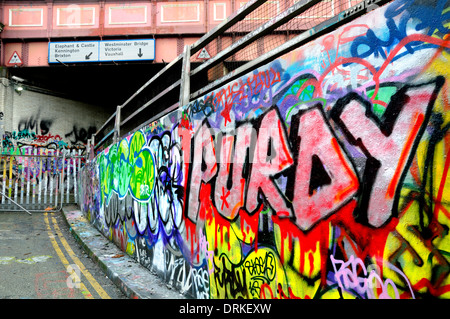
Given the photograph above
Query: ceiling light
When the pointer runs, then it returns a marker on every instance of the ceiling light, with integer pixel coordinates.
(18, 89)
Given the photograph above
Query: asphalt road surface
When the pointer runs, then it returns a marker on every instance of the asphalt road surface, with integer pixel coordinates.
(40, 259)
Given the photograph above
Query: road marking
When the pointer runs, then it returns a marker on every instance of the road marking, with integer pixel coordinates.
(80, 265)
(63, 259)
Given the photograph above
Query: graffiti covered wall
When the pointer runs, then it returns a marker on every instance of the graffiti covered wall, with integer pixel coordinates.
(322, 174)
(33, 120)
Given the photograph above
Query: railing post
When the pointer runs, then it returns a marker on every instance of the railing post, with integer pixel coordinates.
(117, 125)
(185, 85)
(88, 148)
(92, 142)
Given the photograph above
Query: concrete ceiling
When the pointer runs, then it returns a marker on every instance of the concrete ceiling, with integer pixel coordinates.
(105, 85)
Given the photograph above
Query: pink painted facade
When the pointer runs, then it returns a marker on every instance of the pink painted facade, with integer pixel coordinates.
(29, 26)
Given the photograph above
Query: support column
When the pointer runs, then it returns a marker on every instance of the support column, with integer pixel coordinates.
(185, 85)
(4, 88)
(117, 125)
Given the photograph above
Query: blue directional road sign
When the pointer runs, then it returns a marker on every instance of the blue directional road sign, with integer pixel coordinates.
(72, 52)
(99, 51)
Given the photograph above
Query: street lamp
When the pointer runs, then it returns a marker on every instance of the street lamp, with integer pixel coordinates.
(19, 89)
(17, 84)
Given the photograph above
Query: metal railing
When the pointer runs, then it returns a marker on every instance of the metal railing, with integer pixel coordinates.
(35, 180)
(182, 89)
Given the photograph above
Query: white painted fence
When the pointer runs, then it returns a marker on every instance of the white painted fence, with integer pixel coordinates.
(38, 179)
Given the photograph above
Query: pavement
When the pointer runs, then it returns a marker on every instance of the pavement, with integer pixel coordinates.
(134, 280)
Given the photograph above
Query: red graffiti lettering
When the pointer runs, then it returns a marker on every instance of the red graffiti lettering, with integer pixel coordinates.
(272, 156)
(204, 167)
(388, 153)
(230, 182)
(324, 178)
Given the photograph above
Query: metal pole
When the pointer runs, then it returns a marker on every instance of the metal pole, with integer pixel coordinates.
(15, 202)
(185, 85)
(117, 125)
(90, 156)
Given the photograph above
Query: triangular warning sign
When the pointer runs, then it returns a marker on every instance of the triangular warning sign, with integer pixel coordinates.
(15, 59)
(203, 54)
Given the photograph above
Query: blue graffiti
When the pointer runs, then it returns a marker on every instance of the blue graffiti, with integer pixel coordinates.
(415, 15)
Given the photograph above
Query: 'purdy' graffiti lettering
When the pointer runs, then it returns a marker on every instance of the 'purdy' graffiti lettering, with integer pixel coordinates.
(321, 177)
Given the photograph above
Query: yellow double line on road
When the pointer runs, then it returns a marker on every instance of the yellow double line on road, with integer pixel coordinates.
(102, 293)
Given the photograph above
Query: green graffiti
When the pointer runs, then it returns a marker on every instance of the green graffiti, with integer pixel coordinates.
(124, 169)
(382, 98)
(304, 93)
(127, 166)
(143, 174)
